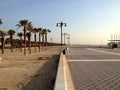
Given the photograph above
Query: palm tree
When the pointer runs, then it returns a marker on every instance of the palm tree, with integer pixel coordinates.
(40, 32)
(20, 35)
(28, 34)
(24, 23)
(2, 34)
(11, 33)
(30, 28)
(35, 31)
(46, 31)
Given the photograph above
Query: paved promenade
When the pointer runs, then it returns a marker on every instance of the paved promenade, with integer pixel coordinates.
(94, 68)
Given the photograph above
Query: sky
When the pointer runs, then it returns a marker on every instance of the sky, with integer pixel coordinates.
(88, 21)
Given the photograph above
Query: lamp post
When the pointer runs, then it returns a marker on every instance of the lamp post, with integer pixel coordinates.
(1, 21)
(68, 40)
(61, 24)
(51, 41)
(65, 38)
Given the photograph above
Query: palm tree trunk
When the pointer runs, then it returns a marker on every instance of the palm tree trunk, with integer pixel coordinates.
(43, 41)
(35, 41)
(2, 45)
(30, 44)
(39, 41)
(24, 41)
(11, 41)
(20, 44)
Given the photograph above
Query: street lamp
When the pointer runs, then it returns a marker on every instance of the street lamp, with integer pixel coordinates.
(68, 38)
(51, 41)
(65, 38)
(61, 24)
(0, 21)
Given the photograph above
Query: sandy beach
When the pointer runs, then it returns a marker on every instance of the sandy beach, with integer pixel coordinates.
(30, 72)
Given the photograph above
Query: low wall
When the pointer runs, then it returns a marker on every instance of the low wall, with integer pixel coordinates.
(63, 78)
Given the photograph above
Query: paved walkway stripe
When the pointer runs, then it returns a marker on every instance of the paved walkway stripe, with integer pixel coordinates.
(103, 51)
(96, 60)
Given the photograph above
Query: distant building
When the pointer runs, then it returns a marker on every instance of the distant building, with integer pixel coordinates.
(113, 45)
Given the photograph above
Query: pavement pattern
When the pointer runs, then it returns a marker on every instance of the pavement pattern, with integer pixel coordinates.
(94, 68)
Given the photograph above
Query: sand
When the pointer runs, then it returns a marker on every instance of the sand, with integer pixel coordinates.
(20, 72)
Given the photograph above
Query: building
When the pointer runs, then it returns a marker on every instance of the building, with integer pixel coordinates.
(113, 44)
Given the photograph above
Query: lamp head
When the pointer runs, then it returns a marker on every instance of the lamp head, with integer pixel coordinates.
(65, 25)
(0, 21)
(57, 25)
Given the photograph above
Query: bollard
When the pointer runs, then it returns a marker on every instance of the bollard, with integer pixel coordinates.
(64, 52)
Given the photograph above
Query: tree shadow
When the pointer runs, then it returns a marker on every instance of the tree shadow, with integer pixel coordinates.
(44, 79)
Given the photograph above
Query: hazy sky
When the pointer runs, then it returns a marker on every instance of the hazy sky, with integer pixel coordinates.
(88, 21)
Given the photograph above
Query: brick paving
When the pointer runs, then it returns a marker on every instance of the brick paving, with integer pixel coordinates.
(94, 75)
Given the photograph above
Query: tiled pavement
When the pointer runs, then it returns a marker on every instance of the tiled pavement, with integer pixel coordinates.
(92, 75)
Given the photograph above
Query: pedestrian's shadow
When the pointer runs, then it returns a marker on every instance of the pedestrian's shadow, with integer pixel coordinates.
(44, 79)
